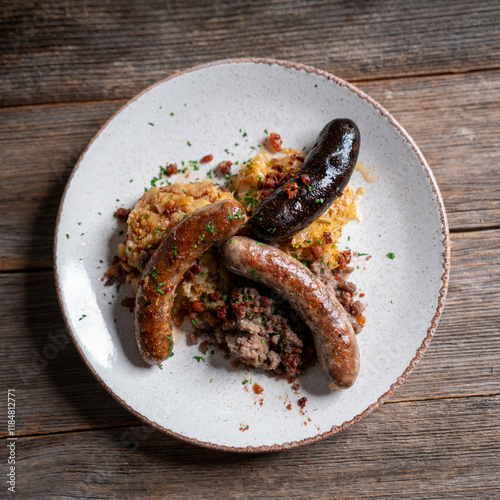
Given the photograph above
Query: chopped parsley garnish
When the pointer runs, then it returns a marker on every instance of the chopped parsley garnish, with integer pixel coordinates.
(83, 316)
(255, 274)
(199, 358)
(158, 285)
(154, 274)
(361, 254)
(152, 124)
(245, 382)
(391, 255)
(160, 367)
(145, 216)
(188, 143)
(320, 200)
(67, 236)
(210, 227)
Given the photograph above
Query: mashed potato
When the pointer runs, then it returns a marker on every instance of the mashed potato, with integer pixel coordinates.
(156, 213)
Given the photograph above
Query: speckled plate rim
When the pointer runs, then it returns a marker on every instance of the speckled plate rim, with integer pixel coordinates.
(445, 259)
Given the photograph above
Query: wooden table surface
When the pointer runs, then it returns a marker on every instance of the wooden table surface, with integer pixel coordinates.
(67, 66)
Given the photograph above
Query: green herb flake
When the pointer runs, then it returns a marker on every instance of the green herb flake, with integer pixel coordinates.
(189, 144)
(199, 358)
(210, 227)
(145, 216)
(160, 367)
(158, 285)
(391, 255)
(83, 316)
(319, 200)
(152, 124)
(245, 382)
(67, 236)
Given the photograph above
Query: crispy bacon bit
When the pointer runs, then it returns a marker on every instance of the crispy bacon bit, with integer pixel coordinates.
(344, 259)
(292, 359)
(316, 251)
(225, 167)
(207, 158)
(275, 141)
(302, 402)
(360, 319)
(192, 271)
(129, 302)
(305, 179)
(222, 312)
(172, 169)
(122, 214)
(217, 295)
(299, 158)
(292, 189)
(328, 237)
(265, 301)
(257, 388)
(197, 306)
(289, 406)
(271, 181)
(116, 273)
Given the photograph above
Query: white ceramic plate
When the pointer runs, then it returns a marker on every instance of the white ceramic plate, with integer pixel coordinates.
(224, 109)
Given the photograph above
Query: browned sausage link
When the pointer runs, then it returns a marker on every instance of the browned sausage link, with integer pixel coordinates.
(187, 241)
(333, 335)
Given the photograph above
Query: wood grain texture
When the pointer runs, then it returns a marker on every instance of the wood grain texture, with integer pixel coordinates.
(38, 359)
(446, 116)
(453, 119)
(66, 66)
(445, 448)
(65, 51)
(38, 150)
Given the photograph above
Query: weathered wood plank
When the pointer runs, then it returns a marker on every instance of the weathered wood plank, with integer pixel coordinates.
(56, 392)
(444, 448)
(72, 50)
(38, 150)
(453, 119)
(54, 388)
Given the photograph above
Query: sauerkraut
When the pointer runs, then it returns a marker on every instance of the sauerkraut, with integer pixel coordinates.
(261, 175)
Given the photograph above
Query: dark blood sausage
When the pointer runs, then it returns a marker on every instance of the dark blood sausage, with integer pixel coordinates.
(334, 338)
(187, 241)
(321, 179)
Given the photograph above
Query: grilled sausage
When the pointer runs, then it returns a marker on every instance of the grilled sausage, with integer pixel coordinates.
(334, 338)
(187, 241)
(321, 179)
